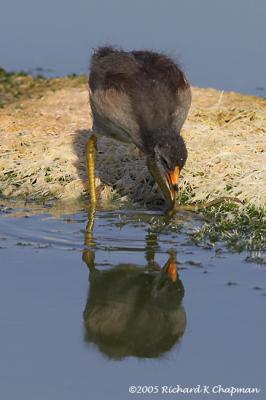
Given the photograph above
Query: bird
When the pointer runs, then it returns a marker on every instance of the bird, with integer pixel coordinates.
(134, 310)
(140, 97)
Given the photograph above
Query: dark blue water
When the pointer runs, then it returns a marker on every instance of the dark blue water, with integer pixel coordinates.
(66, 298)
(220, 44)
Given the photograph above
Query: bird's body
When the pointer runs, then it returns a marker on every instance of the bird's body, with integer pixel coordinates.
(142, 97)
(135, 96)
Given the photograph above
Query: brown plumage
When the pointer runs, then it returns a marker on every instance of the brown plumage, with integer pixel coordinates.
(142, 97)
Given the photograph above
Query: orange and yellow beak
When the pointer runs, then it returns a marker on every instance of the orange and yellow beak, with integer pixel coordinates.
(166, 180)
(173, 178)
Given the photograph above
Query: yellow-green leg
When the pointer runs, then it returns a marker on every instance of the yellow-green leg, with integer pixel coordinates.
(91, 158)
(88, 255)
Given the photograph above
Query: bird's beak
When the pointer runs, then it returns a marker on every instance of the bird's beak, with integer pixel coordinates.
(166, 180)
(173, 178)
(158, 174)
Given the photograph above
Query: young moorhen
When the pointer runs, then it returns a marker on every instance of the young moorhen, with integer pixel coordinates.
(140, 97)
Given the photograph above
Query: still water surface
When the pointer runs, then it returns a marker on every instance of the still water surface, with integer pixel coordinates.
(84, 317)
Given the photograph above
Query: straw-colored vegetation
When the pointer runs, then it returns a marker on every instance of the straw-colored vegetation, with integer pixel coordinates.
(44, 125)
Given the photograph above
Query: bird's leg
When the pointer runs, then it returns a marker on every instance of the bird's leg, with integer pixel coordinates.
(91, 157)
(150, 250)
(88, 255)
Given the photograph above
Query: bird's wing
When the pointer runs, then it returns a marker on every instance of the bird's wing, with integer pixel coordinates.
(113, 115)
(110, 82)
(136, 94)
(182, 108)
(161, 95)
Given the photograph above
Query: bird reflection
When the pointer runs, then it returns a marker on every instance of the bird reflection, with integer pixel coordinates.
(134, 310)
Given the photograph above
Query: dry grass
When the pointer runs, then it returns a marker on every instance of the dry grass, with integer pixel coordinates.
(43, 139)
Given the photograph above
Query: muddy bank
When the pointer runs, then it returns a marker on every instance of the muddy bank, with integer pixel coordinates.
(43, 140)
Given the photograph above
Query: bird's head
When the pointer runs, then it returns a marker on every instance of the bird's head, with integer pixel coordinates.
(170, 155)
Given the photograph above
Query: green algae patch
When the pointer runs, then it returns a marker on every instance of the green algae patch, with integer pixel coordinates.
(18, 86)
(241, 228)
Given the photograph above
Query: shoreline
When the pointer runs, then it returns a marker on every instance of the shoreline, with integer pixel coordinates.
(44, 130)
(43, 140)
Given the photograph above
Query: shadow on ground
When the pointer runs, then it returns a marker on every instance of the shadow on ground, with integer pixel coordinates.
(120, 169)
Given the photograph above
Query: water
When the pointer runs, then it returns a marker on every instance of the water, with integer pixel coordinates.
(219, 43)
(87, 317)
